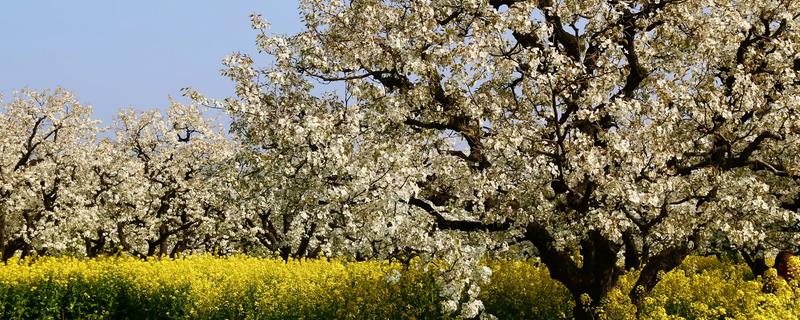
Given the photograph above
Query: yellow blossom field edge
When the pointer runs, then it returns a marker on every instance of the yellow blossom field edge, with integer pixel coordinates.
(241, 287)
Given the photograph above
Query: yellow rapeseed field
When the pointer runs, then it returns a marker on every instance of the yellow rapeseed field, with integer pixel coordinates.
(241, 287)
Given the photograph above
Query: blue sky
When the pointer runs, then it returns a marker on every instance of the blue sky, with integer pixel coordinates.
(115, 54)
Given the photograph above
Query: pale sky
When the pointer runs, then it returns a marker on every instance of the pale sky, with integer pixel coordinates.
(115, 54)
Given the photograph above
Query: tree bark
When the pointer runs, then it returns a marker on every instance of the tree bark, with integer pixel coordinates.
(758, 265)
(664, 261)
(594, 279)
(11, 248)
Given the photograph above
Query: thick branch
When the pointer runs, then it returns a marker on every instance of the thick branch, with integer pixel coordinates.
(443, 223)
(29, 145)
(560, 264)
(666, 260)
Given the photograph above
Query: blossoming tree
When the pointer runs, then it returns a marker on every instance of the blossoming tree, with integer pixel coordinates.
(173, 167)
(156, 183)
(610, 135)
(45, 142)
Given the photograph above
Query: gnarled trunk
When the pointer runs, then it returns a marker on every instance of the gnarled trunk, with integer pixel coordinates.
(589, 283)
(10, 248)
(665, 261)
(758, 264)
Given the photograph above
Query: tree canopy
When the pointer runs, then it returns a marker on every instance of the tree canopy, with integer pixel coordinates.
(609, 135)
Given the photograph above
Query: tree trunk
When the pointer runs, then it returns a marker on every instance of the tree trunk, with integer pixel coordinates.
(163, 248)
(11, 248)
(95, 246)
(782, 265)
(123, 238)
(285, 252)
(179, 247)
(757, 265)
(664, 261)
(159, 244)
(590, 283)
